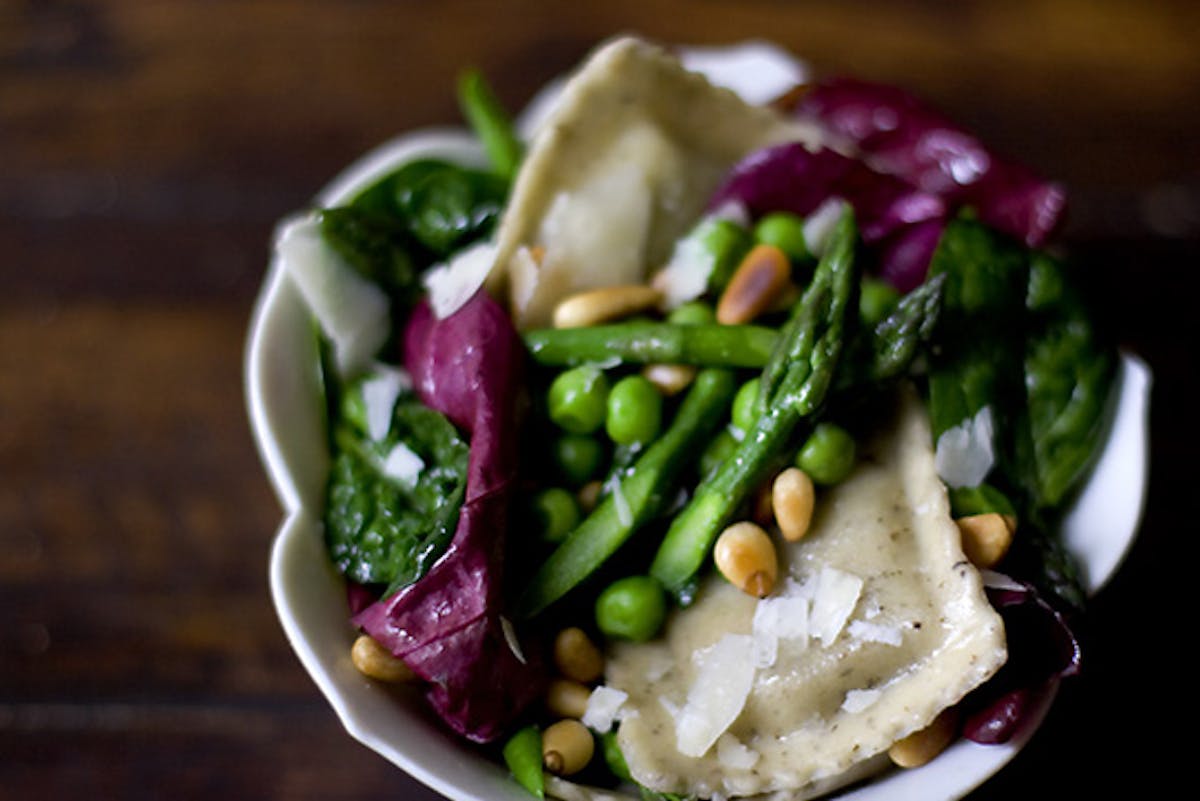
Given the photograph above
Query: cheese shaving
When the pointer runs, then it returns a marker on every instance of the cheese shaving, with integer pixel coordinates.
(452, 284)
(603, 708)
(723, 680)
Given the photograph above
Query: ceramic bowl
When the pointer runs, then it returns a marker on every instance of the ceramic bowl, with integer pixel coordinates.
(285, 412)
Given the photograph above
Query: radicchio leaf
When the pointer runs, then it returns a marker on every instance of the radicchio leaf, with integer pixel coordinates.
(1042, 649)
(447, 626)
(899, 135)
(790, 177)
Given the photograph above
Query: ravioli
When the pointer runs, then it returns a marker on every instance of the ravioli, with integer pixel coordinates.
(624, 162)
(880, 624)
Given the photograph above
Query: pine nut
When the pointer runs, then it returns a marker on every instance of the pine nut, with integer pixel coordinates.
(761, 277)
(374, 661)
(922, 746)
(793, 497)
(594, 306)
(576, 656)
(669, 379)
(745, 555)
(763, 506)
(567, 698)
(985, 538)
(588, 495)
(567, 747)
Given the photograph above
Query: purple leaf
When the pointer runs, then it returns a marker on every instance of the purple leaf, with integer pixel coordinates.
(790, 177)
(447, 626)
(900, 136)
(1042, 649)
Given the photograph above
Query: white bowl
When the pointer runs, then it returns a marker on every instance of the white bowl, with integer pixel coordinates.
(286, 416)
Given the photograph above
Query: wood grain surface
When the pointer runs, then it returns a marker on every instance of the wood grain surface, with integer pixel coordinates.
(147, 148)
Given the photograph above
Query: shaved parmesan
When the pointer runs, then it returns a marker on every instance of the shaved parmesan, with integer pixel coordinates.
(624, 513)
(723, 680)
(603, 708)
(403, 465)
(873, 632)
(819, 224)
(964, 454)
(858, 700)
(380, 392)
(835, 596)
(731, 753)
(510, 637)
(452, 284)
(353, 312)
(685, 276)
(781, 617)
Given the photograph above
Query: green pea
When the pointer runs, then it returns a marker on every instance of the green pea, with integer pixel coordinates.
(579, 457)
(876, 300)
(725, 242)
(744, 405)
(695, 312)
(827, 455)
(785, 231)
(722, 446)
(557, 512)
(579, 399)
(634, 411)
(632, 608)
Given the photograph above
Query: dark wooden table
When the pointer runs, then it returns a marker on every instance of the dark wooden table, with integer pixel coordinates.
(146, 150)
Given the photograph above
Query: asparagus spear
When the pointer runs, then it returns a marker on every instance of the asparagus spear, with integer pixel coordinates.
(795, 384)
(643, 492)
(889, 347)
(653, 343)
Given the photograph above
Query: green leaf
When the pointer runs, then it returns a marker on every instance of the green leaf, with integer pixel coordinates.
(1069, 373)
(382, 531)
(442, 206)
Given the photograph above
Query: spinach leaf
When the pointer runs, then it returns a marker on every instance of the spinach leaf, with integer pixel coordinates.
(378, 246)
(975, 363)
(1016, 336)
(381, 530)
(1069, 371)
(442, 206)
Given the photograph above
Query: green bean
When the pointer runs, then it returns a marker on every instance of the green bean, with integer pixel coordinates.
(631, 608)
(708, 345)
(644, 493)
